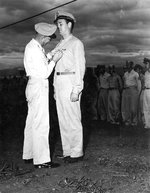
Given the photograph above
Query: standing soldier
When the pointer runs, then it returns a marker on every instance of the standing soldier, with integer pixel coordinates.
(146, 94)
(103, 93)
(68, 84)
(138, 68)
(123, 91)
(115, 87)
(130, 96)
(38, 68)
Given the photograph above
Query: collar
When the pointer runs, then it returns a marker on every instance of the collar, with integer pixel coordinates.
(66, 39)
(37, 43)
(131, 72)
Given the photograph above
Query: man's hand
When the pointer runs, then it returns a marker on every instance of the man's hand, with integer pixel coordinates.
(74, 97)
(57, 56)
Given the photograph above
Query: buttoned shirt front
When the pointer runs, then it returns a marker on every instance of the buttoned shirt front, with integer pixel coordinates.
(35, 61)
(131, 78)
(114, 81)
(73, 60)
(103, 79)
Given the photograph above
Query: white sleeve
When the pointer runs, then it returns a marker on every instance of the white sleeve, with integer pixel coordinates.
(79, 59)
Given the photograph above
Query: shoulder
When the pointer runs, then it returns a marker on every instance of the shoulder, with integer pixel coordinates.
(31, 45)
(32, 49)
(135, 73)
(76, 41)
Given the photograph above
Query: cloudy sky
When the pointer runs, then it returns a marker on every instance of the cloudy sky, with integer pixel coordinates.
(112, 31)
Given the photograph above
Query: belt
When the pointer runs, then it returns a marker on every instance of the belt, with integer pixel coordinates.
(64, 73)
(36, 78)
(146, 88)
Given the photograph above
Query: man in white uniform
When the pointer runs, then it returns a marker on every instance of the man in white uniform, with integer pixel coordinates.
(68, 84)
(130, 96)
(38, 68)
(146, 95)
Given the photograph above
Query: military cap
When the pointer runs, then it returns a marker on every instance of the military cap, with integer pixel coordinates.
(64, 15)
(45, 29)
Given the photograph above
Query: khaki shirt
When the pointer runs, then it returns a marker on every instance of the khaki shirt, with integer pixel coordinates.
(131, 78)
(103, 80)
(73, 60)
(147, 79)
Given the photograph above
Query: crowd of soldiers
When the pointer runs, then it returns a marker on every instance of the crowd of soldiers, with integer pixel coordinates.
(121, 98)
(109, 95)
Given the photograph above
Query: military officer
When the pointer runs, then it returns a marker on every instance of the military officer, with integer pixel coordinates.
(68, 84)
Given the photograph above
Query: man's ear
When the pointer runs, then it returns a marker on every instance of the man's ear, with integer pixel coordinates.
(70, 25)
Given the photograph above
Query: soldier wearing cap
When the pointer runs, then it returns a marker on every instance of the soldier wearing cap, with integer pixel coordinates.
(68, 85)
(38, 68)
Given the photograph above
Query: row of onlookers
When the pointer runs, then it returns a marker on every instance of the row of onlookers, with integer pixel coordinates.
(121, 98)
(108, 95)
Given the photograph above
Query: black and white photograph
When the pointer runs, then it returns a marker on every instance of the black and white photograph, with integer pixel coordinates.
(75, 96)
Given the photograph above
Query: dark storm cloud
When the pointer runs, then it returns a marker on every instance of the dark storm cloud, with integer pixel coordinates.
(17, 10)
(117, 28)
(111, 30)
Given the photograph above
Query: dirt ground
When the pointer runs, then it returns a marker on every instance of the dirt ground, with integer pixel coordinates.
(117, 160)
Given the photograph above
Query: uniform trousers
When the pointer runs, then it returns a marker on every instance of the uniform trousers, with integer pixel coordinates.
(140, 108)
(36, 133)
(103, 104)
(113, 105)
(129, 105)
(146, 107)
(69, 116)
